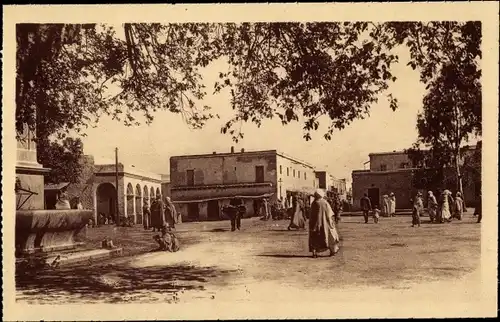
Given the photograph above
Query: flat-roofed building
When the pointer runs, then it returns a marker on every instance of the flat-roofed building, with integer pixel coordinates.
(201, 184)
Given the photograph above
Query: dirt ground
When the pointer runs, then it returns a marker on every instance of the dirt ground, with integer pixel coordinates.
(262, 262)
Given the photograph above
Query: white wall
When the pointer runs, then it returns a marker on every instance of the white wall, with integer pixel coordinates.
(306, 180)
(133, 206)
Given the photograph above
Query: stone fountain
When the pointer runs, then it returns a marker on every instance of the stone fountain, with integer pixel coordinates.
(37, 230)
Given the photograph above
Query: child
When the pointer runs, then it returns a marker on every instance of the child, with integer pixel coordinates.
(376, 214)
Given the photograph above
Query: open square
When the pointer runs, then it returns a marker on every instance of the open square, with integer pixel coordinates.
(215, 261)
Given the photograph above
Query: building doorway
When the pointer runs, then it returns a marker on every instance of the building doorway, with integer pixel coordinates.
(374, 195)
(193, 211)
(213, 210)
(106, 200)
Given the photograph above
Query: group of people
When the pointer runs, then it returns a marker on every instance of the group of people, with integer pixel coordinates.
(443, 210)
(323, 220)
(388, 207)
(162, 214)
(440, 210)
(63, 201)
(162, 217)
(276, 210)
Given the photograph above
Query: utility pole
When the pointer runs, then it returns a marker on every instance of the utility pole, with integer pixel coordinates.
(116, 183)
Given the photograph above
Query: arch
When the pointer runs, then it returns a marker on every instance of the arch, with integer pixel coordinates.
(130, 200)
(145, 196)
(130, 189)
(152, 195)
(138, 204)
(105, 196)
(158, 192)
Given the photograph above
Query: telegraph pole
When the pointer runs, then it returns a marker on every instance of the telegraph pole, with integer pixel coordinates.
(116, 183)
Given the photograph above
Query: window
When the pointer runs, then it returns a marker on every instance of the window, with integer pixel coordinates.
(294, 173)
(403, 165)
(299, 174)
(259, 173)
(383, 167)
(305, 175)
(190, 177)
(280, 169)
(287, 171)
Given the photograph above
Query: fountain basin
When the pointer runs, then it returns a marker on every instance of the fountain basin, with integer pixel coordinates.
(49, 230)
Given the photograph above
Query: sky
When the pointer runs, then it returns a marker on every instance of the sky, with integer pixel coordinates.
(150, 147)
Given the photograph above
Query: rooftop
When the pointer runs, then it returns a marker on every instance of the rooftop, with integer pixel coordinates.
(404, 152)
(241, 152)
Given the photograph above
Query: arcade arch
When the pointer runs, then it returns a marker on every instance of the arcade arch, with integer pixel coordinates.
(105, 196)
(138, 204)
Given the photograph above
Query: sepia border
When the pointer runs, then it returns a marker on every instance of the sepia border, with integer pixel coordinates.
(487, 12)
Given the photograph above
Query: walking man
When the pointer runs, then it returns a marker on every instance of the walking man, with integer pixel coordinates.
(366, 206)
(235, 212)
(336, 207)
(418, 206)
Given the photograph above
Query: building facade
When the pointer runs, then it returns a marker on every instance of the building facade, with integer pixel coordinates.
(201, 184)
(165, 185)
(96, 189)
(331, 184)
(394, 172)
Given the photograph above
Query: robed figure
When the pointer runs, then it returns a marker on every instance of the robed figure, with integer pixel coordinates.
(157, 214)
(297, 221)
(322, 230)
(170, 213)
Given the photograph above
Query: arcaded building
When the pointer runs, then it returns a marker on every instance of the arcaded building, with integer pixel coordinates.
(96, 189)
(201, 184)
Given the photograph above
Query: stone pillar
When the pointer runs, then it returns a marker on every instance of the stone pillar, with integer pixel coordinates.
(29, 174)
(134, 211)
(125, 205)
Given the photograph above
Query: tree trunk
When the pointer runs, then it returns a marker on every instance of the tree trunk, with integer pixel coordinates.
(459, 176)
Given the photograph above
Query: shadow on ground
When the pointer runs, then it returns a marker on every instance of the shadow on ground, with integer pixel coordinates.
(114, 283)
(285, 256)
(217, 230)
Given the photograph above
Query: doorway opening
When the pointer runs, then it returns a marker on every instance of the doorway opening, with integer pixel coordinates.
(106, 201)
(213, 210)
(374, 195)
(193, 212)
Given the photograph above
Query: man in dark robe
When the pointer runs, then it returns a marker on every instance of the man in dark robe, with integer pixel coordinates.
(235, 213)
(322, 231)
(366, 206)
(336, 207)
(157, 214)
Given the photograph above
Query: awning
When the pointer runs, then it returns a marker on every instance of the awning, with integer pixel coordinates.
(56, 186)
(310, 191)
(267, 195)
